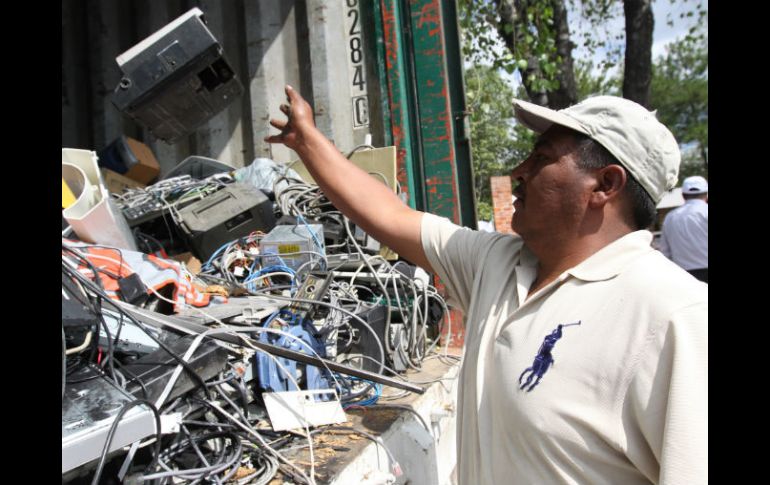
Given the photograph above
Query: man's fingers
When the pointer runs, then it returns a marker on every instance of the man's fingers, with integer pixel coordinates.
(286, 109)
(291, 94)
(273, 139)
(278, 123)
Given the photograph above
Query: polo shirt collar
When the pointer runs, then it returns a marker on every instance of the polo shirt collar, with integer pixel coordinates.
(609, 261)
(606, 263)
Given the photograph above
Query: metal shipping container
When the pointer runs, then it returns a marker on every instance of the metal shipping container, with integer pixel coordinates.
(388, 68)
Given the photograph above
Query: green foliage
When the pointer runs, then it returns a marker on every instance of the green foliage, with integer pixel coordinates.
(679, 87)
(596, 20)
(679, 92)
(533, 33)
(484, 211)
(591, 80)
(493, 146)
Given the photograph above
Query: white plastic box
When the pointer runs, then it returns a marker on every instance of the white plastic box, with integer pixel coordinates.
(94, 216)
(292, 244)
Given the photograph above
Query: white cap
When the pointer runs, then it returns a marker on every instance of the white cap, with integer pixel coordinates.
(641, 143)
(695, 185)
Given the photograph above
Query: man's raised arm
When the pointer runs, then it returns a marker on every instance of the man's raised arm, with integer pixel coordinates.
(366, 201)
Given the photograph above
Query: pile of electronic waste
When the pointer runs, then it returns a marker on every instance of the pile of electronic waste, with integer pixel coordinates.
(240, 309)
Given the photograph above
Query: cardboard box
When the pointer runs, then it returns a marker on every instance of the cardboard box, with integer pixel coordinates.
(130, 158)
(146, 168)
(193, 264)
(117, 183)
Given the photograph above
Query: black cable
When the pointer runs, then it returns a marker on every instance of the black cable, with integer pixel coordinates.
(178, 447)
(117, 334)
(114, 427)
(110, 348)
(87, 263)
(206, 423)
(133, 377)
(232, 404)
(197, 449)
(86, 299)
(95, 308)
(146, 237)
(97, 372)
(241, 386)
(90, 285)
(64, 361)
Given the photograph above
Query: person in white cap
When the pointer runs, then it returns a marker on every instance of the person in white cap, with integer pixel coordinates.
(586, 351)
(684, 236)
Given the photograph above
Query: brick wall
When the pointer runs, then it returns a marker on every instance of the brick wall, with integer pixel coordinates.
(501, 203)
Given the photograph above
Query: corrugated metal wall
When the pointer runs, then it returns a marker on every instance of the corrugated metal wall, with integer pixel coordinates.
(391, 68)
(269, 43)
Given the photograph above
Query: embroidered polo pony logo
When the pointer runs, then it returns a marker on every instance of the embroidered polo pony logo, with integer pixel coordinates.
(543, 359)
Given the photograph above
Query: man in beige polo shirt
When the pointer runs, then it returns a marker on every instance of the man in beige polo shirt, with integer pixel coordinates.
(586, 354)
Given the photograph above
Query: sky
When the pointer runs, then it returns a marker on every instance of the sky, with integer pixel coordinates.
(664, 34)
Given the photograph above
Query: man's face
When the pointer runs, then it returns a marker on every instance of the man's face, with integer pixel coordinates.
(552, 191)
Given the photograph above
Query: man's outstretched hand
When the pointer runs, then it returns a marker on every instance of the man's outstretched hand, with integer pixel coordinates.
(368, 202)
(299, 121)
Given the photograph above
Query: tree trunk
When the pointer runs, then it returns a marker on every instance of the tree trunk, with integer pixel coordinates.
(513, 13)
(638, 65)
(566, 94)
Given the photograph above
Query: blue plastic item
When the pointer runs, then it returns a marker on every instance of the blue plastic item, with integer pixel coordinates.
(271, 377)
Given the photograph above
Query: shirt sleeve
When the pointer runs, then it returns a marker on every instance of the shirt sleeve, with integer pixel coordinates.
(667, 401)
(456, 255)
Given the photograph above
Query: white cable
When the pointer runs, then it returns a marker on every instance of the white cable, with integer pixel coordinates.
(83, 346)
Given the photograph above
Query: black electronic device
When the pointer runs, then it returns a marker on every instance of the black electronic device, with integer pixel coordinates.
(224, 216)
(75, 313)
(176, 79)
(77, 316)
(153, 208)
(155, 369)
(144, 212)
(132, 289)
(364, 342)
(198, 168)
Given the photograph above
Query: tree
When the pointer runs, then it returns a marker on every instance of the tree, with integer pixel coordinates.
(638, 59)
(680, 95)
(591, 80)
(536, 42)
(494, 145)
(533, 38)
(536, 36)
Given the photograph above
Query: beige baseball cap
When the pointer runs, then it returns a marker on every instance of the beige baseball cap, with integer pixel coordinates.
(641, 143)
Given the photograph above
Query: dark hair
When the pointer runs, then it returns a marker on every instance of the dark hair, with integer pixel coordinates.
(593, 156)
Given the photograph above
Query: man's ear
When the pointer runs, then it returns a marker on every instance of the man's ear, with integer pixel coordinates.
(610, 182)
